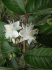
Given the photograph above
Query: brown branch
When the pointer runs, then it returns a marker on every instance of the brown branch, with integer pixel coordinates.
(26, 18)
(24, 43)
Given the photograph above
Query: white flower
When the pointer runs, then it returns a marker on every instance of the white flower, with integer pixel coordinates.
(16, 25)
(11, 31)
(27, 33)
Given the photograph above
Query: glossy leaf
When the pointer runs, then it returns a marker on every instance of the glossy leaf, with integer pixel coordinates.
(6, 49)
(44, 12)
(43, 19)
(40, 19)
(16, 6)
(45, 35)
(45, 29)
(45, 39)
(40, 58)
(33, 6)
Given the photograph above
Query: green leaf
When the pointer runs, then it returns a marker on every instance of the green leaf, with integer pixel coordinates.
(40, 19)
(14, 63)
(43, 19)
(6, 49)
(4, 68)
(17, 49)
(16, 6)
(2, 61)
(2, 31)
(37, 69)
(44, 12)
(33, 6)
(45, 39)
(45, 29)
(39, 58)
(45, 35)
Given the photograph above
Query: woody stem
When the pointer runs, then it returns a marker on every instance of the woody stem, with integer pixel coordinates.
(24, 43)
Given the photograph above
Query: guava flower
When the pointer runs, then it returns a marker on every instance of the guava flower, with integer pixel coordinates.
(28, 33)
(16, 25)
(11, 32)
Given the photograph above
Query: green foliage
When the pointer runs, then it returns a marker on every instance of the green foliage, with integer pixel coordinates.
(33, 6)
(37, 19)
(30, 18)
(37, 69)
(7, 49)
(4, 68)
(21, 61)
(44, 12)
(45, 39)
(40, 58)
(2, 61)
(45, 29)
(14, 63)
(45, 35)
(33, 69)
(49, 21)
(15, 5)
(14, 55)
(42, 19)
(7, 14)
(2, 31)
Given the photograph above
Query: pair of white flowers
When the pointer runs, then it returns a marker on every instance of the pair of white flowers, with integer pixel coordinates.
(14, 30)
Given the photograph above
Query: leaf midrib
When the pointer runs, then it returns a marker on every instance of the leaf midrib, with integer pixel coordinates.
(19, 6)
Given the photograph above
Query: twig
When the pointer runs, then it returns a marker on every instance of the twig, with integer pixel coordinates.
(24, 43)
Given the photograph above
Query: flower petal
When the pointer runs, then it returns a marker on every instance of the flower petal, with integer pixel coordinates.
(27, 33)
(25, 38)
(23, 26)
(16, 25)
(15, 34)
(29, 41)
(7, 35)
(13, 40)
(23, 33)
(7, 26)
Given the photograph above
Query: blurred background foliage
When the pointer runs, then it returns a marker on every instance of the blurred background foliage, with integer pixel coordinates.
(6, 14)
